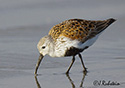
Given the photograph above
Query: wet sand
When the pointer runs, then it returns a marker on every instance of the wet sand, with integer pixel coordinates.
(105, 60)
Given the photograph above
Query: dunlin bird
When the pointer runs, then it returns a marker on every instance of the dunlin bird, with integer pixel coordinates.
(70, 38)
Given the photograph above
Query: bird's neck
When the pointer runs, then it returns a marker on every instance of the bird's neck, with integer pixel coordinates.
(51, 46)
(51, 49)
(55, 51)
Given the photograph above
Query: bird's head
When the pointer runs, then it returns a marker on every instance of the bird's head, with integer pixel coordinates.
(44, 47)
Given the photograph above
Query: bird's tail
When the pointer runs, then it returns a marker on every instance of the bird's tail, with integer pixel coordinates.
(102, 25)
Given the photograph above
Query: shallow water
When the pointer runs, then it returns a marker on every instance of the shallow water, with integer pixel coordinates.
(20, 32)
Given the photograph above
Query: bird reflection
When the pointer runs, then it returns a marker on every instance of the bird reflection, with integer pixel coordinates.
(37, 82)
(72, 83)
(69, 78)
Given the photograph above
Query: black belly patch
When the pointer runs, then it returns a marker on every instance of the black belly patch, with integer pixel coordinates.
(74, 51)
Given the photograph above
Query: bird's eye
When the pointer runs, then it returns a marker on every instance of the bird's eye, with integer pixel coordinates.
(43, 47)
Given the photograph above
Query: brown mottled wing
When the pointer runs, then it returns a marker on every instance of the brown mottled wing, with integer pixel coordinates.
(57, 30)
(79, 29)
(99, 27)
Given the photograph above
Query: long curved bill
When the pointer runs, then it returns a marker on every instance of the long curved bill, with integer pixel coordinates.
(38, 63)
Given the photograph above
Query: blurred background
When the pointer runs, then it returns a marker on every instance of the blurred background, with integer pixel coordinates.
(24, 22)
(16, 13)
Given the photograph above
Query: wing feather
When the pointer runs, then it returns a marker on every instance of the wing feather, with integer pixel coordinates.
(79, 29)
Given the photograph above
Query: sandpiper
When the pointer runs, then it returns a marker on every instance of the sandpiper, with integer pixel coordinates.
(70, 38)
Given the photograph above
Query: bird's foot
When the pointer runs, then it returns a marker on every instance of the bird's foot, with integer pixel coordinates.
(67, 73)
(85, 70)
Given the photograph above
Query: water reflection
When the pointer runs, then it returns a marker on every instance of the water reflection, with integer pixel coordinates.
(69, 78)
(72, 83)
(37, 82)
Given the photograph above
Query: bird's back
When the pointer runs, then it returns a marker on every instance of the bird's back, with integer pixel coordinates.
(79, 29)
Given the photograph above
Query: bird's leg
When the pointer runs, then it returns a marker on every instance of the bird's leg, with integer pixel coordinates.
(73, 59)
(85, 69)
(38, 63)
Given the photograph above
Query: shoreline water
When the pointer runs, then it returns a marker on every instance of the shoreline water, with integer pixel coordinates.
(104, 60)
